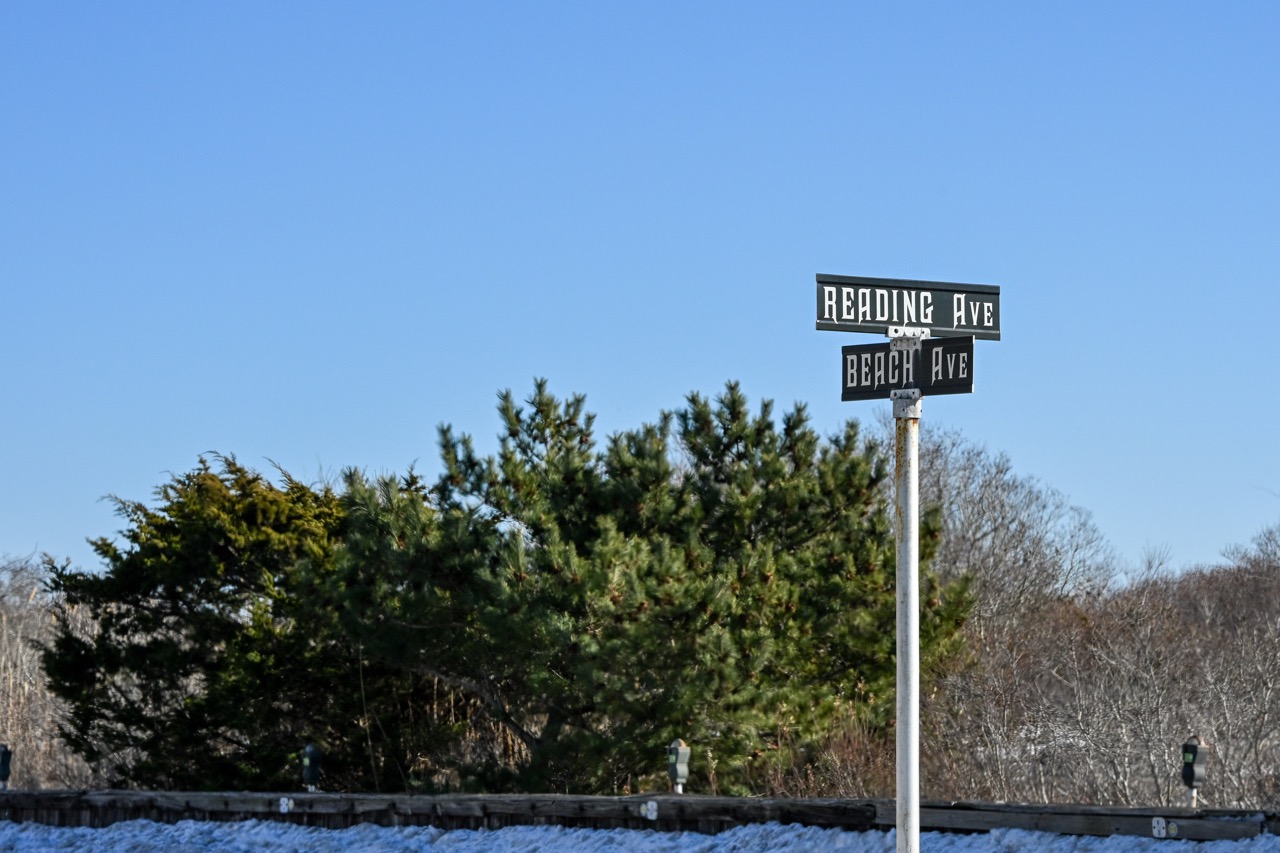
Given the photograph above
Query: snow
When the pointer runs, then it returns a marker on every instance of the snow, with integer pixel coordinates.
(143, 836)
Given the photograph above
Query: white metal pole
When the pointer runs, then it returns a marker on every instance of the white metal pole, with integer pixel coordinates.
(906, 413)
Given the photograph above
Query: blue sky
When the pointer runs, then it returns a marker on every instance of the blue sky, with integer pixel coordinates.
(308, 233)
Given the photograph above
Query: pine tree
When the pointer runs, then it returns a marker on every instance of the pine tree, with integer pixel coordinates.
(194, 659)
(712, 576)
(545, 618)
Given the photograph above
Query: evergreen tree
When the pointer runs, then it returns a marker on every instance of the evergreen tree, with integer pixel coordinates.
(712, 576)
(191, 662)
(545, 618)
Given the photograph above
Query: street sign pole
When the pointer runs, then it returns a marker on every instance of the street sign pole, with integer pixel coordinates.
(907, 405)
(911, 367)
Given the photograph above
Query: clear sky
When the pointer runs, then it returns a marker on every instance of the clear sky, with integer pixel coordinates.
(309, 232)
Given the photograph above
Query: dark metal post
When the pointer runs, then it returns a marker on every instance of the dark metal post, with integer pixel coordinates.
(1193, 769)
(311, 757)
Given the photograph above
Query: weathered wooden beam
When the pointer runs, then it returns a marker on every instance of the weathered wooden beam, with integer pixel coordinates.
(1093, 820)
(706, 814)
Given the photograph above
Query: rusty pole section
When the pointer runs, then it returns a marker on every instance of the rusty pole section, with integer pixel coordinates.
(907, 405)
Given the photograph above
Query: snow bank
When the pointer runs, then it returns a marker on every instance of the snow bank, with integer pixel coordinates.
(143, 836)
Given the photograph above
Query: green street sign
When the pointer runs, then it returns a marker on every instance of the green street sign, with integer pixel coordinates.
(874, 371)
(856, 304)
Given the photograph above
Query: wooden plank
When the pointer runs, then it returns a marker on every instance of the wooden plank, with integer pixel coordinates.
(688, 812)
(1102, 822)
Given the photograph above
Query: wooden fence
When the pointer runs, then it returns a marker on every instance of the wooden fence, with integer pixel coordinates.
(666, 812)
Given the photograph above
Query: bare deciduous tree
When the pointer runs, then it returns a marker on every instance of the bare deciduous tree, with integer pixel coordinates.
(28, 712)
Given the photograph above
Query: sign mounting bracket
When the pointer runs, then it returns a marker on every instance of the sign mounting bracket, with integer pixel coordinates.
(907, 403)
(907, 333)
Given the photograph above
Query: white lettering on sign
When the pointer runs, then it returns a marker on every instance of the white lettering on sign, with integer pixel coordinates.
(949, 366)
(876, 305)
(879, 369)
(969, 313)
